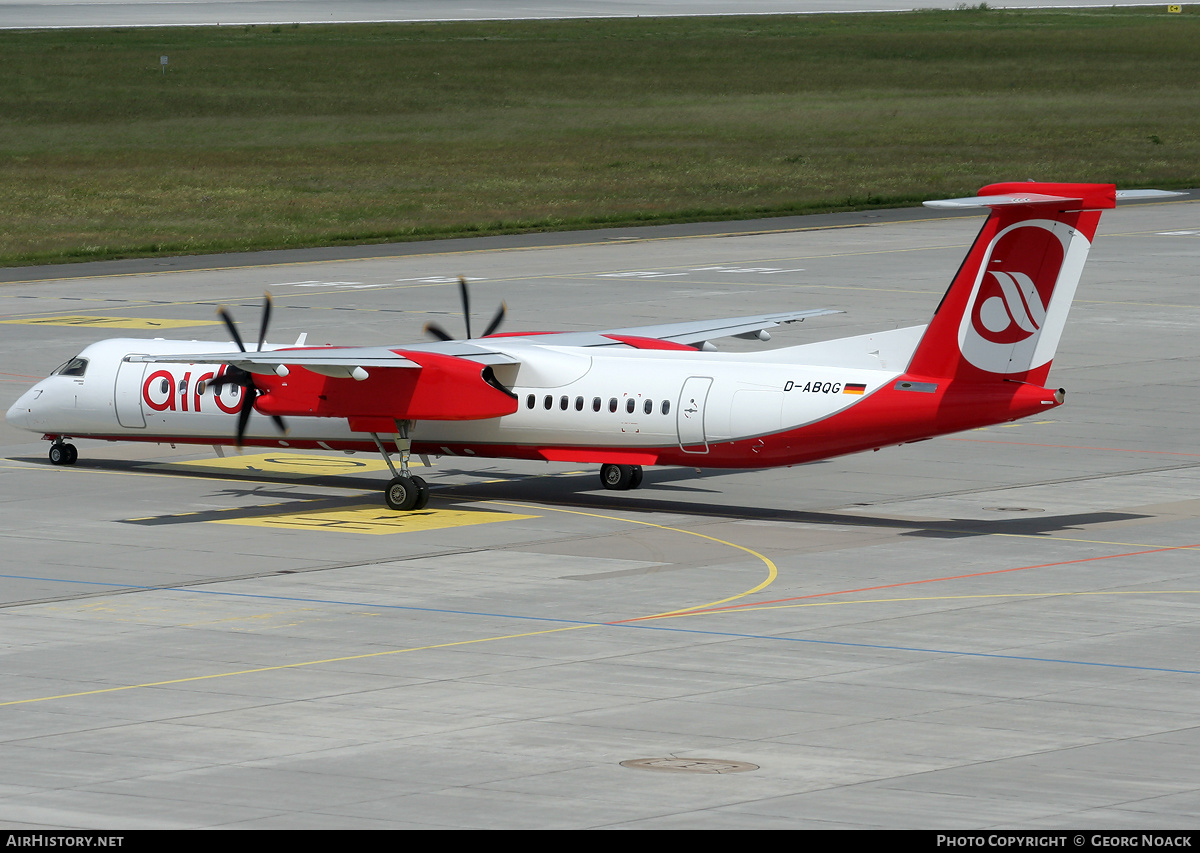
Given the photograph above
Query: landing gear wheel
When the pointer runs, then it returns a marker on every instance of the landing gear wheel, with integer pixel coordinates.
(635, 481)
(401, 494)
(617, 477)
(63, 454)
(422, 493)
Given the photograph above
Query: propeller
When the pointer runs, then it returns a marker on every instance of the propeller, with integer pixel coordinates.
(244, 379)
(442, 335)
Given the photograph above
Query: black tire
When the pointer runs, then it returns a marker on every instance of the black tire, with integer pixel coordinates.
(72, 454)
(59, 455)
(422, 493)
(635, 479)
(616, 477)
(401, 494)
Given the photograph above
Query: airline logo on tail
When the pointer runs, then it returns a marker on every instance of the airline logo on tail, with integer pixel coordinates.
(1010, 313)
(1021, 295)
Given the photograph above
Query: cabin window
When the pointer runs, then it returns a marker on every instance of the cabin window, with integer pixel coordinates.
(596, 403)
(630, 405)
(648, 407)
(75, 367)
(531, 401)
(548, 402)
(183, 386)
(165, 386)
(612, 404)
(579, 404)
(666, 407)
(564, 402)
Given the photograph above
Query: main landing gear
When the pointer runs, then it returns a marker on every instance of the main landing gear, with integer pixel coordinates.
(62, 453)
(404, 492)
(621, 477)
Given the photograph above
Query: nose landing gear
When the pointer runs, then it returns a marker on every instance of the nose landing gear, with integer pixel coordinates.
(62, 453)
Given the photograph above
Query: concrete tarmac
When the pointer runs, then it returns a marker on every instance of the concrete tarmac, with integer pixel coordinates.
(992, 630)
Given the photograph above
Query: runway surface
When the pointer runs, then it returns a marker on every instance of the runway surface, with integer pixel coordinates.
(140, 13)
(997, 629)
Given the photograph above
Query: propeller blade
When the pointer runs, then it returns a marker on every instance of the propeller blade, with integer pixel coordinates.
(438, 332)
(497, 320)
(466, 303)
(465, 294)
(229, 324)
(279, 424)
(244, 412)
(232, 376)
(266, 318)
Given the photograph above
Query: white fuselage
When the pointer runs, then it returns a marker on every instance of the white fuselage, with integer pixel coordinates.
(566, 396)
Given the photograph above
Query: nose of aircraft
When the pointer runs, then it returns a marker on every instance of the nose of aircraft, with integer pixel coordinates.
(21, 413)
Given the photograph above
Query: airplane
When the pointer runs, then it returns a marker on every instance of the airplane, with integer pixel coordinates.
(621, 398)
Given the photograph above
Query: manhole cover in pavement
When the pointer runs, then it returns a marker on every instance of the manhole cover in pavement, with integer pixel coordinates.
(690, 765)
(1014, 509)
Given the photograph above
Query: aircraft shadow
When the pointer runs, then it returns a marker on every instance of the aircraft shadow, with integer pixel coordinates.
(658, 495)
(565, 492)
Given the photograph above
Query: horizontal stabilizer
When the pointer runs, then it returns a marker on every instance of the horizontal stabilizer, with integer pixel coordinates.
(1060, 196)
(1129, 195)
(1001, 201)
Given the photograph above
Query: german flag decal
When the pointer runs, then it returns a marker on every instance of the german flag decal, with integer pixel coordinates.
(854, 388)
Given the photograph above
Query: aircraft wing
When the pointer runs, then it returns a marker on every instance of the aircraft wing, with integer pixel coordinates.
(342, 361)
(328, 361)
(690, 333)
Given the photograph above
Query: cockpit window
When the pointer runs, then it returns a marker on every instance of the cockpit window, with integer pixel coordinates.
(75, 367)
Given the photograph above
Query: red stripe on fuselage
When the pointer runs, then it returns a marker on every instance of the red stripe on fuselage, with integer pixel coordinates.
(884, 418)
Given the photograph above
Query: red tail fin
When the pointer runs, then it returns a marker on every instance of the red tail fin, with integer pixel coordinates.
(1005, 310)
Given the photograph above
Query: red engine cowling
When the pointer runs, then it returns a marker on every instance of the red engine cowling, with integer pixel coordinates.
(443, 388)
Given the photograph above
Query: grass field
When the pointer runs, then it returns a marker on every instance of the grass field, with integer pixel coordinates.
(259, 137)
